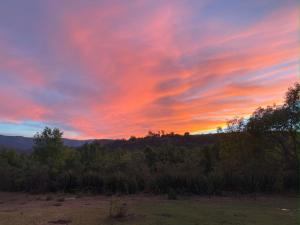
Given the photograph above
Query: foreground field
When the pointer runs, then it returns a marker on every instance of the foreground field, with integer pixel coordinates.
(21, 209)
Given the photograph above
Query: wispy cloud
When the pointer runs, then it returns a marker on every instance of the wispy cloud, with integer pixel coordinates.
(116, 68)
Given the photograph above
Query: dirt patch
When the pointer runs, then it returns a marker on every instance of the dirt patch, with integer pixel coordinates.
(165, 215)
(60, 222)
(8, 210)
(60, 200)
(57, 204)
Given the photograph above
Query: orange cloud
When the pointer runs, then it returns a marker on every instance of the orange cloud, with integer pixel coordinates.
(134, 59)
(156, 69)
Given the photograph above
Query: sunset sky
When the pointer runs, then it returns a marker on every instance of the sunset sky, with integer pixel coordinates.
(112, 69)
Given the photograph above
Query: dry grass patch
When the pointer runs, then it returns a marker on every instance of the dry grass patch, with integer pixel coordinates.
(142, 210)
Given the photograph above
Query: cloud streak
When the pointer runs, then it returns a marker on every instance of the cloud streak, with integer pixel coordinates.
(112, 69)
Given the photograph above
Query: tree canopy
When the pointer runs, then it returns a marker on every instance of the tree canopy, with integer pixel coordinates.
(256, 154)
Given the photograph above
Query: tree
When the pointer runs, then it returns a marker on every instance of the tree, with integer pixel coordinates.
(292, 107)
(256, 154)
(49, 148)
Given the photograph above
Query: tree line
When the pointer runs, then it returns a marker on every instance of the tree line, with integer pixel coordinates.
(256, 154)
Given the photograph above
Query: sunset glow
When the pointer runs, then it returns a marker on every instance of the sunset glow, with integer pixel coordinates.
(112, 69)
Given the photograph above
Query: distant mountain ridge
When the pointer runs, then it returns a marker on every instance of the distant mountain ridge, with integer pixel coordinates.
(25, 143)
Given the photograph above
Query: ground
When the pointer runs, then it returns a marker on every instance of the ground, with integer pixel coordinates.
(25, 209)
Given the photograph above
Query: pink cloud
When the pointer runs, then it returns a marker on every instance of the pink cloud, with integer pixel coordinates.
(154, 70)
(17, 108)
(19, 68)
(131, 61)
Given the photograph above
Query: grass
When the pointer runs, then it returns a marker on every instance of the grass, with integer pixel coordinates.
(22, 209)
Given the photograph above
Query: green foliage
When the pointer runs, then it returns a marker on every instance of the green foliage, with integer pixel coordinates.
(259, 154)
(118, 209)
(49, 148)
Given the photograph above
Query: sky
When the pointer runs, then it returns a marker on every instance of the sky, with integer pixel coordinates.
(116, 68)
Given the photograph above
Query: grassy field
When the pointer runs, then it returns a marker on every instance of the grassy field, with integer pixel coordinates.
(22, 209)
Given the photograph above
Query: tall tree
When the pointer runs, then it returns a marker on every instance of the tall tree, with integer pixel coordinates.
(49, 148)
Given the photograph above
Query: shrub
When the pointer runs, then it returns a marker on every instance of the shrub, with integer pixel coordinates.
(118, 209)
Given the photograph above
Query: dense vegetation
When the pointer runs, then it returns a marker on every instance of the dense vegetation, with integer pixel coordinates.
(257, 154)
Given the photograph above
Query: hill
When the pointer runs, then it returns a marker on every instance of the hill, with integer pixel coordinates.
(25, 144)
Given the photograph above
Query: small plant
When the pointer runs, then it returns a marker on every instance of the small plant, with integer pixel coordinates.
(118, 209)
(172, 195)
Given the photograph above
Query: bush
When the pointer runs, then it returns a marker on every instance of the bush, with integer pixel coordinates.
(118, 209)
